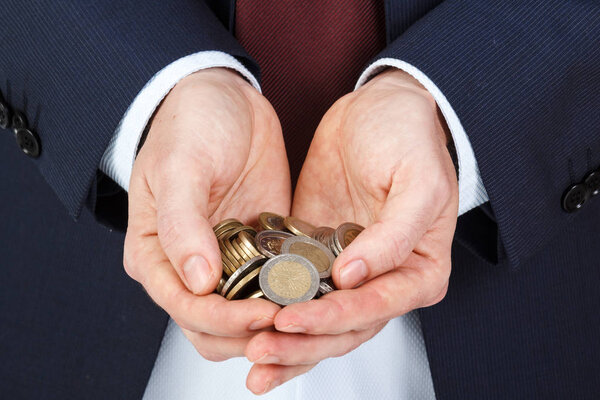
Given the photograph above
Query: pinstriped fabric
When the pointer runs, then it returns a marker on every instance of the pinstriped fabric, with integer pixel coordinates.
(524, 79)
(75, 67)
(310, 54)
(399, 15)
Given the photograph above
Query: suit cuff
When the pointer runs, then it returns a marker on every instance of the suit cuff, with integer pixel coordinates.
(117, 161)
(471, 192)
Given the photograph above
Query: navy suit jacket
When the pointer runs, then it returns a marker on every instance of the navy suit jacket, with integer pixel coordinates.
(522, 314)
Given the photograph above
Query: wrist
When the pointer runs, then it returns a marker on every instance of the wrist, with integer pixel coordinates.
(402, 80)
(215, 76)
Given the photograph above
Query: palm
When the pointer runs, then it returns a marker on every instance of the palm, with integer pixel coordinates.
(256, 177)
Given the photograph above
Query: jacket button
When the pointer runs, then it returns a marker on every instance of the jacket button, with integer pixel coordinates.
(5, 115)
(592, 181)
(574, 198)
(28, 142)
(19, 121)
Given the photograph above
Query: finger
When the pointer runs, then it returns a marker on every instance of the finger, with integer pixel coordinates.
(186, 236)
(300, 349)
(378, 300)
(408, 213)
(216, 348)
(265, 377)
(211, 314)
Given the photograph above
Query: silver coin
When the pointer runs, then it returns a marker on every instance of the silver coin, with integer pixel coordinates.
(345, 234)
(269, 242)
(326, 286)
(239, 273)
(288, 278)
(322, 234)
(315, 252)
(333, 245)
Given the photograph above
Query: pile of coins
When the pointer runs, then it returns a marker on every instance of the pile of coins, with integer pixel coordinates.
(286, 260)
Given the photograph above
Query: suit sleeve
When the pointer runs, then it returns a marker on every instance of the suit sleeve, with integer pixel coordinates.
(73, 68)
(524, 79)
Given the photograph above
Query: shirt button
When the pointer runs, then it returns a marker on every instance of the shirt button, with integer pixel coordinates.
(575, 197)
(592, 181)
(28, 142)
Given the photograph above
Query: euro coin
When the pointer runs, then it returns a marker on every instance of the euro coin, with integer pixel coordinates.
(333, 245)
(238, 258)
(247, 241)
(256, 295)
(241, 272)
(272, 221)
(315, 252)
(298, 227)
(322, 234)
(289, 278)
(247, 284)
(345, 234)
(232, 234)
(326, 286)
(269, 242)
(245, 253)
(220, 285)
(225, 226)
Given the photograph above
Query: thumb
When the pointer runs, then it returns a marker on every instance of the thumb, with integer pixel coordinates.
(184, 231)
(383, 246)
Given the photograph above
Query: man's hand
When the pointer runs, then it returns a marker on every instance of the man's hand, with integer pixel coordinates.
(379, 158)
(214, 151)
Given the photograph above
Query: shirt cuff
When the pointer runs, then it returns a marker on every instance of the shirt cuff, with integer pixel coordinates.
(117, 161)
(471, 192)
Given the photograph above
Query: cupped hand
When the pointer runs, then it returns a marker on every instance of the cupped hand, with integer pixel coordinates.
(214, 151)
(379, 158)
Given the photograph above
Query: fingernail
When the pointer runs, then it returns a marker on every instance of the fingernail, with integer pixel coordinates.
(353, 273)
(271, 385)
(197, 273)
(293, 328)
(268, 359)
(260, 323)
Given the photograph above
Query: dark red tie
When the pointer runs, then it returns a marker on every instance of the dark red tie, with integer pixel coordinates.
(310, 53)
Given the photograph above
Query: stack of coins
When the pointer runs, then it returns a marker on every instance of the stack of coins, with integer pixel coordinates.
(287, 261)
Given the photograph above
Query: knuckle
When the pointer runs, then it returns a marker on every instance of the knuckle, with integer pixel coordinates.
(399, 245)
(169, 230)
(179, 306)
(265, 342)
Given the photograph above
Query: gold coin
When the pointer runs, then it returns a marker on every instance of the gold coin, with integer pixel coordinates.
(271, 221)
(247, 241)
(220, 285)
(232, 233)
(298, 226)
(226, 226)
(237, 258)
(256, 295)
(232, 260)
(228, 266)
(241, 285)
(315, 252)
(224, 223)
(240, 249)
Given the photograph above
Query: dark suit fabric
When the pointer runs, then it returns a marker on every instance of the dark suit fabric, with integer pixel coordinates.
(521, 316)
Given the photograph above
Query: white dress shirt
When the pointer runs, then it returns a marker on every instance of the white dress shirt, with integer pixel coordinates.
(392, 365)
